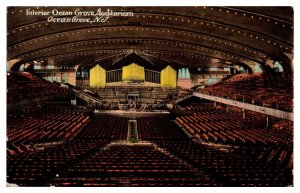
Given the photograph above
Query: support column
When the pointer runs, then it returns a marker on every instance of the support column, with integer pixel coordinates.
(227, 108)
(267, 121)
(244, 113)
(215, 104)
(291, 62)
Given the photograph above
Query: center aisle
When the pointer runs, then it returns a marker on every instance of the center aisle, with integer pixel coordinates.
(132, 132)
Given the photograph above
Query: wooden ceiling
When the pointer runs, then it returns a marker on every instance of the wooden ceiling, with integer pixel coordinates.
(177, 36)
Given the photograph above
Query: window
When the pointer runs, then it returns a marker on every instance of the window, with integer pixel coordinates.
(277, 67)
(50, 67)
(257, 68)
(184, 73)
(37, 67)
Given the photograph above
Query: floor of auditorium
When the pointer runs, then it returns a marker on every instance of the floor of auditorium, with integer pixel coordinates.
(135, 149)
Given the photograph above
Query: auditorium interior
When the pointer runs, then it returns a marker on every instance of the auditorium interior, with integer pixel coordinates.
(151, 97)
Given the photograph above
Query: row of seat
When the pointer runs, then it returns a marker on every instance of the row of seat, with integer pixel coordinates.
(157, 128)
(146, 165)
(43, 126)
(38, 167)
(136, 182)
(262, 154)
(106, 127)
(230, 128)
(122, 91)
(256, 89)
(231, 168)
(199, 107)
(25, 86)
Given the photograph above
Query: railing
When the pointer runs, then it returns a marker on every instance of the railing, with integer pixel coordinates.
(256, 108)
(87, 97)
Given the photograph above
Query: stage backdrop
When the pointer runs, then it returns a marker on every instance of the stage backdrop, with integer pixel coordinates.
(133, 72)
